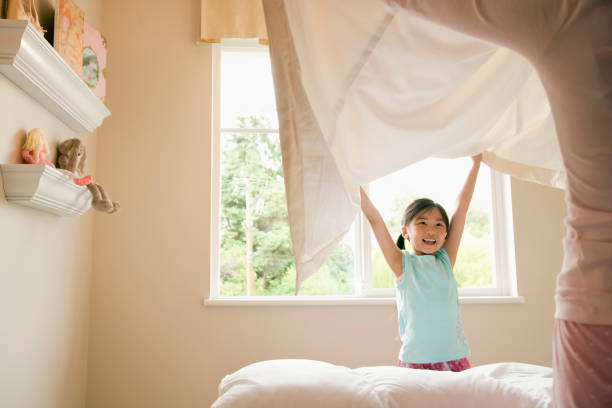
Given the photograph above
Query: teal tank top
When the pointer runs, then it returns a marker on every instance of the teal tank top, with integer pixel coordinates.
(428, 310)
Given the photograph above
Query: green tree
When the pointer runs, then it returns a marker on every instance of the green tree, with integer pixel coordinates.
(473, 267)
(252, 171)
(254, 224)
(478, 222)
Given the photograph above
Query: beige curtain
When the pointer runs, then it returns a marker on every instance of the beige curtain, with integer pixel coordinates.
(232, 19)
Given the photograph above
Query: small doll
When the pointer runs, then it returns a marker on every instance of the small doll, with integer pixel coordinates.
(35, 148)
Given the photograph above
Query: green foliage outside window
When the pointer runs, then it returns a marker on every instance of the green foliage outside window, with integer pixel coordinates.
(251, 170)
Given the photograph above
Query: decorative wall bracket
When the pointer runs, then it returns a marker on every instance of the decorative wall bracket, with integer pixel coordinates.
(45, 188)
(28, 60)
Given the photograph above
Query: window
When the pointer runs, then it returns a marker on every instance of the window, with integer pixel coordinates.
(251, 246)
(485, 258)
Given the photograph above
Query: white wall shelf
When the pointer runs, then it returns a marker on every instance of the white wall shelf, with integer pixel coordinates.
(44, 188)
(28, 60)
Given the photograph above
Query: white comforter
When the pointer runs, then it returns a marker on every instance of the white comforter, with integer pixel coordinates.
(316, 384)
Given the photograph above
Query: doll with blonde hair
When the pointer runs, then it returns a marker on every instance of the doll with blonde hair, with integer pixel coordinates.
(35, 148)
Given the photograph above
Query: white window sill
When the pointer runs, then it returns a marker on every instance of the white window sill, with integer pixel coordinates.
(342, 301)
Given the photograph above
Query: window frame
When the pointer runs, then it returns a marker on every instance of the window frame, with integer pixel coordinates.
(504, 277)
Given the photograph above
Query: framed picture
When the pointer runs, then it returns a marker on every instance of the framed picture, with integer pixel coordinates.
(46, 15)
(94, 61)
(3, 8)
(68, 38)
(40, 13)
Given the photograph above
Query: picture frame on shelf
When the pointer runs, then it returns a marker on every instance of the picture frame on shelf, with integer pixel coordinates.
(3, 8)
(40, 13)
(46, 16)
(68, 35)
(94, 61)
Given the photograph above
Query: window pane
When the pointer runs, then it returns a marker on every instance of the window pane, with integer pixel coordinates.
(440, 180)
(254, 230)
(247, 88)
(336, 276)
(255, 238)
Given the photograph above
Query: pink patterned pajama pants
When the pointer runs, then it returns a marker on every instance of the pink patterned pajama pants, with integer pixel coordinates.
(582, 362)
(452, 365)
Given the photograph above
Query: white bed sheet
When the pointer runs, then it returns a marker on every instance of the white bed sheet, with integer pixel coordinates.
(309, 383)
(365, 88)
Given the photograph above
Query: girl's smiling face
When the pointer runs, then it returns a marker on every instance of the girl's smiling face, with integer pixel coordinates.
(426, 232)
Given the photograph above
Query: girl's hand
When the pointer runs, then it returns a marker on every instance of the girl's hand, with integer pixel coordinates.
(477, 158)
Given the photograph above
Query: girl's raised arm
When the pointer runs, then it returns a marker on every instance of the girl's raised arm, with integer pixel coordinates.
(392, 254)
(463, 203)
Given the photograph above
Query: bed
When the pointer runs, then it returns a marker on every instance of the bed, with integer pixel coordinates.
(310, 383)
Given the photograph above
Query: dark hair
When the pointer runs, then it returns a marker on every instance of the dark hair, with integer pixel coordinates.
(416, 207)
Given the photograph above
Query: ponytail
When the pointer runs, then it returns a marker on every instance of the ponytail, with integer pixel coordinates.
(400, 242)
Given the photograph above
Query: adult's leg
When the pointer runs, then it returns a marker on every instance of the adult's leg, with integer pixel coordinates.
(582, 362)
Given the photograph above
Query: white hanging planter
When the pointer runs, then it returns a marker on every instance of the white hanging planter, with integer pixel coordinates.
(45, 188)
(28, 60)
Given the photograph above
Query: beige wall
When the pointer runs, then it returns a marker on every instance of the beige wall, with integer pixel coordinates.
(45, 271)
(152, 343)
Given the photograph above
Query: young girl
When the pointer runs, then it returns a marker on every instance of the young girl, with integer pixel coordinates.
(427, 299)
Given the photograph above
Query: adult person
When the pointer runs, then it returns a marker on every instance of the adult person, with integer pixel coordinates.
(569, 42)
